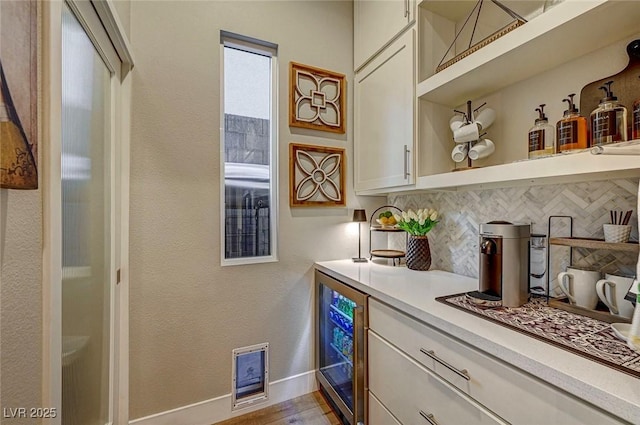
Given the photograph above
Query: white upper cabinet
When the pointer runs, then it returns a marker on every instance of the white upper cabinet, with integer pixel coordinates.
(384, 118)
(376, 23)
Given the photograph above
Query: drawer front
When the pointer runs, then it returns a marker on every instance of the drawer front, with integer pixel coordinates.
(378, 414)
(415, 395)
(498, 386)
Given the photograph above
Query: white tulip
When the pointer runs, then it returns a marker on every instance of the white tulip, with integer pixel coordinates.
(412, 215)
(421, 220)
(405, 216)
(431, 211)
(434, 216)
(420, 212)
(397, 217)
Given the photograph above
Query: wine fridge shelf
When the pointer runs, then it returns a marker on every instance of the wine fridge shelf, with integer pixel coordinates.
(341, 354)
(595, 244)
(340, 326)
(340, 312)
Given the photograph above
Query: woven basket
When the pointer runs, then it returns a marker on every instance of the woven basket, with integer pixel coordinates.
(418, 253)
(616, 233)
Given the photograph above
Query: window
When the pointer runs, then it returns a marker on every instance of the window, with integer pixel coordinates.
(248, 150)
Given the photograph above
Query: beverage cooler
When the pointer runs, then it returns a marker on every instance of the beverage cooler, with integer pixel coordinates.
(341, 325)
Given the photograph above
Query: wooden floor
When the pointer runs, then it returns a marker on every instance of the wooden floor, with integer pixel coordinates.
(309, 409)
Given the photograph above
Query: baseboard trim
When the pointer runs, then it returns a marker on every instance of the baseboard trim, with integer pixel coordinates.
(219, 409)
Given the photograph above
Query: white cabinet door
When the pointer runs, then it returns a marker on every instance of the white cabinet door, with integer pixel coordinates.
(499, 387)
(417, 396)
(384, 118)
(375, 23)
(378, 414)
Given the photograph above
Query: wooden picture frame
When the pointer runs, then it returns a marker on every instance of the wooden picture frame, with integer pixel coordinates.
(19, 91)
(317, 98)
(316, 176)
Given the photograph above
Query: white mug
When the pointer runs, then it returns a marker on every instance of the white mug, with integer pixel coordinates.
(579, 285)
(459, 152)
(482, 149)
(466, 133)
(485, 118)
(614, 298)
(456, 122)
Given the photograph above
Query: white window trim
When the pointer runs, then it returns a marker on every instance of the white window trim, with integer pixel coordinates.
(264, 48)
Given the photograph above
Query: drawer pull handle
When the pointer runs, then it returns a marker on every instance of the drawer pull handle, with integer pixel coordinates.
(463, 373)
(429, 417)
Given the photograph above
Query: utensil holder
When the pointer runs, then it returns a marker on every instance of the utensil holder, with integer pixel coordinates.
(616, 233)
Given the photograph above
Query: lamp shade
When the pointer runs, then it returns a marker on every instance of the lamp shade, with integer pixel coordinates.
(359, 216)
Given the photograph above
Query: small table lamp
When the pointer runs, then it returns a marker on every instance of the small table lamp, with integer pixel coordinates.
(359, 216)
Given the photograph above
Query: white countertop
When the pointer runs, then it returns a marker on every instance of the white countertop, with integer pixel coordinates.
(414, 293)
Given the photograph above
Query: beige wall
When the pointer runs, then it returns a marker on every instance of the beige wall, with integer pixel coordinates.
(20, 300)
(123, 8)
(188, 312)
(20, 253)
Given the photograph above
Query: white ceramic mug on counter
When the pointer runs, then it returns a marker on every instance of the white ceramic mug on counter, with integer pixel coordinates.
(614, 297)
(579, 285)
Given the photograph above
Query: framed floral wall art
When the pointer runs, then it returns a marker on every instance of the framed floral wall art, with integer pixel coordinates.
(316, 176)
(316, 98)
(18, 95)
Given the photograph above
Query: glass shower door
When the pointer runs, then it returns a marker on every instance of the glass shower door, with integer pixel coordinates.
(86, 229)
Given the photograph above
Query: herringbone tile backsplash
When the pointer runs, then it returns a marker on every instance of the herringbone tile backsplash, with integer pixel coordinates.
(454, 241)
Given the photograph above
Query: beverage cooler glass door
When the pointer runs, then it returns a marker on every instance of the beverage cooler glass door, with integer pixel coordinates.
(340, 355)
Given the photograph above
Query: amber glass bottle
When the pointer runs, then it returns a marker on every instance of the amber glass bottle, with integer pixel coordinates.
(571, 130)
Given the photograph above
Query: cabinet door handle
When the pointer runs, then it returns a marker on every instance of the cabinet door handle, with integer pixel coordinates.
(429, 417)
(463, 373)
(407, 153)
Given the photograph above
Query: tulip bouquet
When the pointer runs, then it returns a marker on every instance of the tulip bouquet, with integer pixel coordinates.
(417, 223)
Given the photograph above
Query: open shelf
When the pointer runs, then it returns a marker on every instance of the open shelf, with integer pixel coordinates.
(387, 253)
(562, 168)
(600, 313)
(386, 229)
(342, 356)
(595, 244)
(578, 26)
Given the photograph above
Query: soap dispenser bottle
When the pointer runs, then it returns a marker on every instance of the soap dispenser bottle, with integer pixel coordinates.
(608, 120)
(571, 129)
(541, 136)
